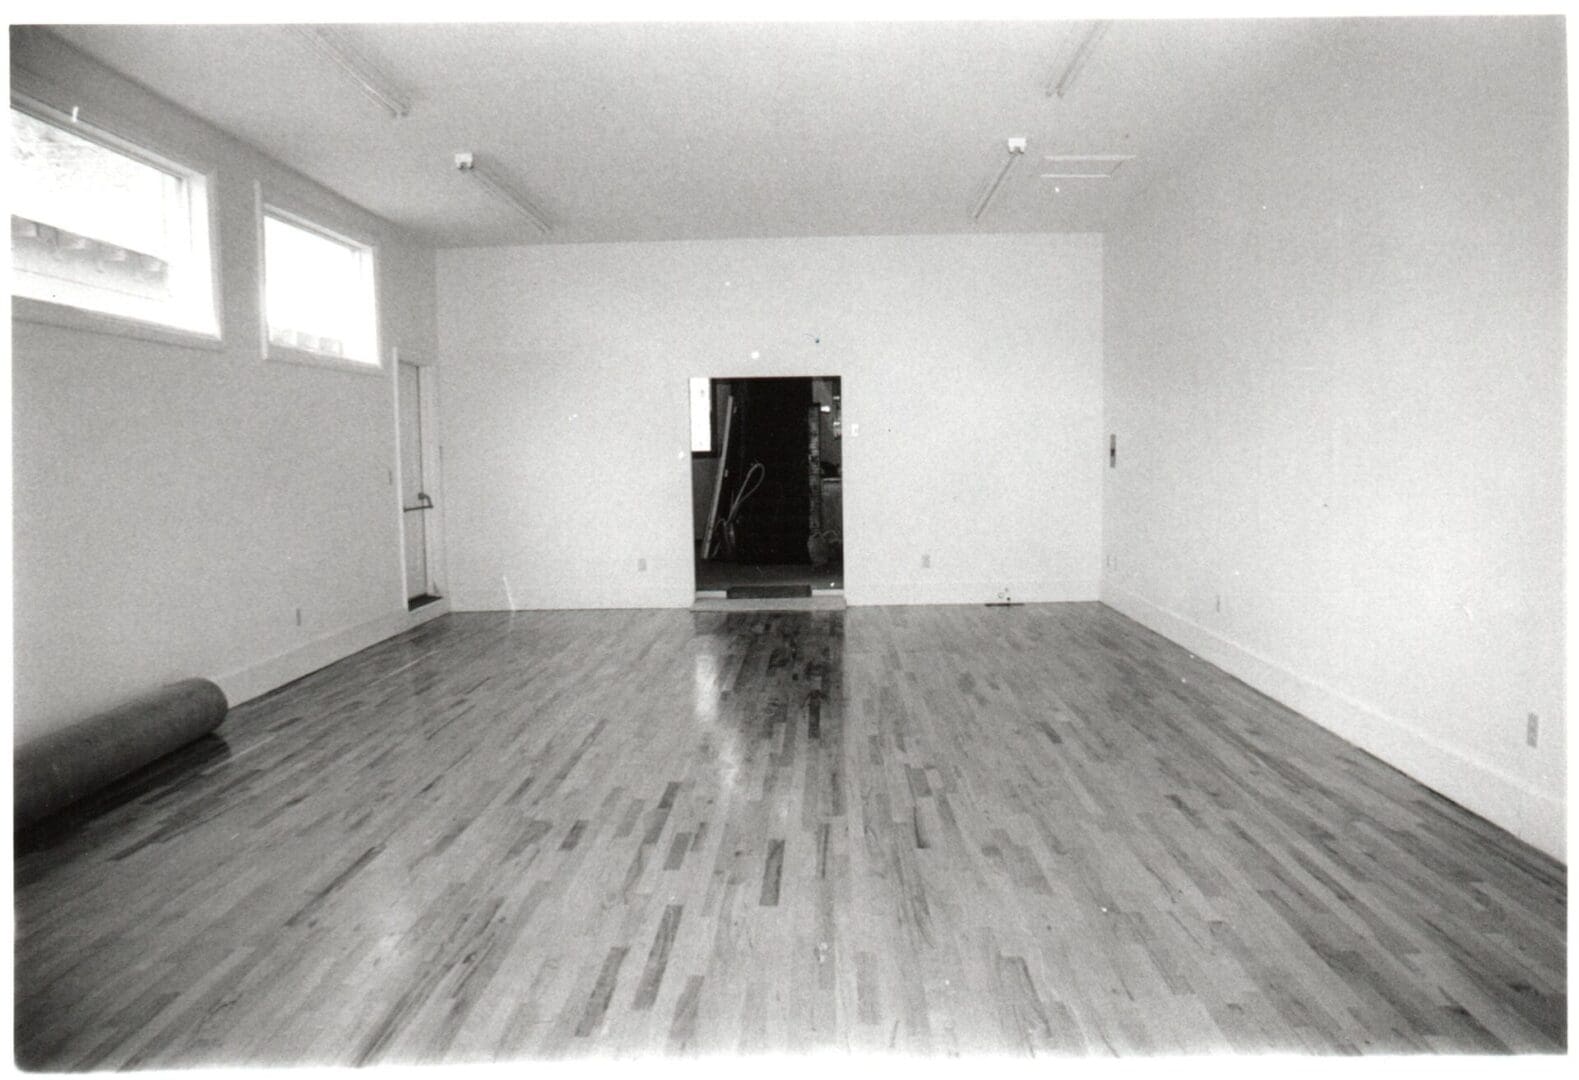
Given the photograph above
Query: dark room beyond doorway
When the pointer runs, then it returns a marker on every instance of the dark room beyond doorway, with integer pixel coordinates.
(767, 480)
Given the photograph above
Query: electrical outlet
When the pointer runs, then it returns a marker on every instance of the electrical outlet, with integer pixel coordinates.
(1532, 729)
(641, 565)
(926, 562)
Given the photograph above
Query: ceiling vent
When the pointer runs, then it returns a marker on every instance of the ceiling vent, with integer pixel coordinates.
(1083, 166)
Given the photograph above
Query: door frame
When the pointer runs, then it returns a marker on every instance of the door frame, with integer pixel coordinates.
(712, 381)
(431, 452)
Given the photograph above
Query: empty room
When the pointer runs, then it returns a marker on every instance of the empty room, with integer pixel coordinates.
(914, 539)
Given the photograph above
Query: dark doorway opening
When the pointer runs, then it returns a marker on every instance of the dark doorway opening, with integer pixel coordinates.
(768, 488)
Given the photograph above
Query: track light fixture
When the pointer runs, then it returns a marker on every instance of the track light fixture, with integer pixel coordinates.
(367, 77)
(466, 162)
(1071, 71)
(1016, 149)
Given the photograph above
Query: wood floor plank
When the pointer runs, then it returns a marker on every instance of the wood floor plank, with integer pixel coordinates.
(1033, 830)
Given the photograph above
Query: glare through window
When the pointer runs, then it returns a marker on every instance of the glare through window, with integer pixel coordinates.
(318, 289)
(108, 230)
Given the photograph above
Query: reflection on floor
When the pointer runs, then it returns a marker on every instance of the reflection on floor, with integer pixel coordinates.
(714, 575)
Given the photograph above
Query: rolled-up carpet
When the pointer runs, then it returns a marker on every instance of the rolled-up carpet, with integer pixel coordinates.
(70, 764)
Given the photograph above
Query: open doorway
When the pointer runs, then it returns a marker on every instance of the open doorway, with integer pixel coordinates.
(767, 486)
(418, 480)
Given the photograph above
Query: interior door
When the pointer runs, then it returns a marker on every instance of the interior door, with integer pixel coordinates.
(415, 502)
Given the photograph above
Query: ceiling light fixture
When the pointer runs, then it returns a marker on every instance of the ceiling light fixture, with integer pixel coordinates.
(1084, 166)
(466, 162)
(367, 77)
(1082, 52)
(1016, 152)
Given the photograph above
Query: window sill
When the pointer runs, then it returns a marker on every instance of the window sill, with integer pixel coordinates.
(43, 312)
(287, 355)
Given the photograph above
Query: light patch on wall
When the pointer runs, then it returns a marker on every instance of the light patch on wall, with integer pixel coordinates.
(701, 415)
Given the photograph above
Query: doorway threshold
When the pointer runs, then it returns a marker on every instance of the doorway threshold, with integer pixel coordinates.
(766, 592)
(818, 601)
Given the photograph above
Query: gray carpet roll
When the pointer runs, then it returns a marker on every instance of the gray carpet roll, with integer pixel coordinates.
(67, 765)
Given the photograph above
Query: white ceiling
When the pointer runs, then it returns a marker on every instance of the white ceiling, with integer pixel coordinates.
(663, 131)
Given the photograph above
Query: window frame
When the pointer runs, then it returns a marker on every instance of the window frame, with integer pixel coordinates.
(128, 139)
(291, 212)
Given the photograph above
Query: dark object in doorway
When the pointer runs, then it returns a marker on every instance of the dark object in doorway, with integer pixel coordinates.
(67, 765)
(817, 549)
(770, 431)
(766, 592)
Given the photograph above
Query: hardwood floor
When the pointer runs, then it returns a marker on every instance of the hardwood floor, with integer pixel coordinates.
(934, 830)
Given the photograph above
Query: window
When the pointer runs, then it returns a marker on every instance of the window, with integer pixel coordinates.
(100, 225)
(319, 296)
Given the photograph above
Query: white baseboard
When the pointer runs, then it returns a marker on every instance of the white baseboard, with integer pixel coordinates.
(246, 683)
(594, 598)
(1531, 815)
(873, 594)
(912, 592)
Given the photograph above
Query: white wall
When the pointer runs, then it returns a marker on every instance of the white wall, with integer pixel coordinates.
(972, 407)
(1335, 356)
(175, 505)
